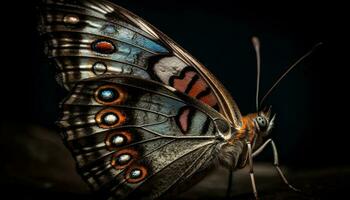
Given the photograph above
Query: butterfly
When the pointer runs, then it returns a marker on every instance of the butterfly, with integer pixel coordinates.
(143, 118)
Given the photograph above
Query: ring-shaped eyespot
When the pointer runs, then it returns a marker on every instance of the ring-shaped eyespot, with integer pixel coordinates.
(118, 139)
(123, 158)
(110, 95)
(262, 122)
(110, 118)
(136, 174)
(99, 68)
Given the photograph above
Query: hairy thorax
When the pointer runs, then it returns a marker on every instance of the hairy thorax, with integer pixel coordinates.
(233, 153)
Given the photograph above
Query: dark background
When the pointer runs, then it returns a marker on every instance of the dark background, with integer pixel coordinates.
(218, 33)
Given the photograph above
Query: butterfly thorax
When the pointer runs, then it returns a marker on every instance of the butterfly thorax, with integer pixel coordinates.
(255, 127)
(248, 130)
(234, 153)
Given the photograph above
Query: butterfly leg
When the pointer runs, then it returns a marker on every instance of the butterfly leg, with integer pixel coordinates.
(251, 170)
(230, 182)
(275, 162)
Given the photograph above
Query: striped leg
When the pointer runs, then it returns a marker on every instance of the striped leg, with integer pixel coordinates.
(230, 182)
(251, 170)
(275, 162)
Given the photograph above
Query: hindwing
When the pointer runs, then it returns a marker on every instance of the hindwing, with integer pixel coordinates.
(133, 137)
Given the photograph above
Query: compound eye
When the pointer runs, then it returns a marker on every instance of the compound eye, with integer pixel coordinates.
(261, 121)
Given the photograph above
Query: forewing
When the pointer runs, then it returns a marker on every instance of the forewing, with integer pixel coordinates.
(137, 138)
(88, 38)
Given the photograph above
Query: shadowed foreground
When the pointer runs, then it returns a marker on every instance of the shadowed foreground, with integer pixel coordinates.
(36, 165)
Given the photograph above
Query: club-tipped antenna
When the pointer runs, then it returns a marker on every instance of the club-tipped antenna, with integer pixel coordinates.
(256, 44)
(288, 70)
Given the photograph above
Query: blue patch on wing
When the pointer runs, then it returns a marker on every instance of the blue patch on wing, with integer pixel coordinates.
(132, 37)
(149, 44)
(129, 54)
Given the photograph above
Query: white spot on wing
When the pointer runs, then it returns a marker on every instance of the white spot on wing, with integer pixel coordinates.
(167, 67)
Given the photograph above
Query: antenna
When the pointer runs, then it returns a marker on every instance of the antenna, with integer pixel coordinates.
(288, 70)
(256, 45)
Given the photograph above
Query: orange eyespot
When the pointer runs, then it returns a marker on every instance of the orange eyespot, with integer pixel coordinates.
(110, 118)
(103, 46)
(123, 158)
(110, 95)
(136, 174)
(118, 139)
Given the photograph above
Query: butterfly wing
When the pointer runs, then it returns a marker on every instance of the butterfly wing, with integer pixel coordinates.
(133, 137)
(88, 38)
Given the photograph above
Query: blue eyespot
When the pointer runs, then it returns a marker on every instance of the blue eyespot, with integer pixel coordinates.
(110, 119)
(108, 95)
(124, 159)
(135, 173)
(118, 140)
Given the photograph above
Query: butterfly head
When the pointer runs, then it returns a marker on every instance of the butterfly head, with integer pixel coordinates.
(259, 127)
(255, 127)
(264, 122)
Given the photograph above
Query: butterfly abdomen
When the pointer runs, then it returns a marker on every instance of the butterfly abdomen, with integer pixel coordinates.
(229, 154)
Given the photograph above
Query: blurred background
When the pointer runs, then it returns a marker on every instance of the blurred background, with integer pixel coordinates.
(36, 165)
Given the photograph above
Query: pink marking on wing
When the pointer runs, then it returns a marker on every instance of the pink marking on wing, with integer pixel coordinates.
(183, 119)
